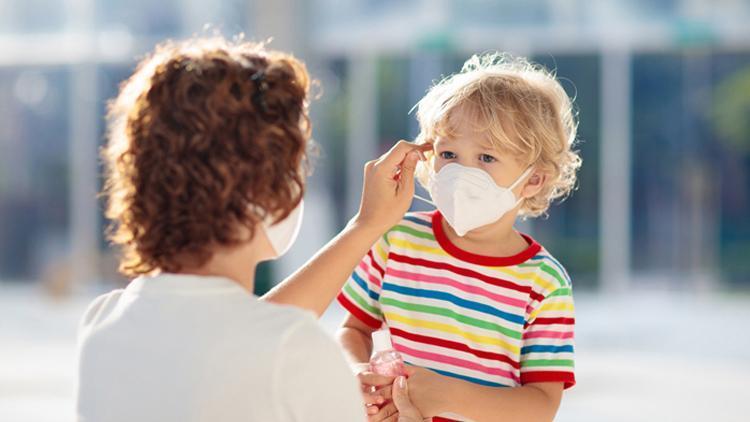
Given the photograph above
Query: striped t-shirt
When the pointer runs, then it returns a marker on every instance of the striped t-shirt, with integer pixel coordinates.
(494, 321)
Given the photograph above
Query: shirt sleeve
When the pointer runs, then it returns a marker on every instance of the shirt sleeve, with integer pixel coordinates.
(547, 354)
(361, 293)
(313, 382)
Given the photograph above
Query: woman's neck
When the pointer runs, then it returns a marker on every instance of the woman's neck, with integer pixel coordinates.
(235, 263)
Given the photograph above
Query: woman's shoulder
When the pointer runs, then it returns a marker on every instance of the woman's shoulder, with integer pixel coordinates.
(281, 323)
(99, 309)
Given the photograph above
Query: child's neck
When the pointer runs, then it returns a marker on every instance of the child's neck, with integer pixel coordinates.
(498, 239)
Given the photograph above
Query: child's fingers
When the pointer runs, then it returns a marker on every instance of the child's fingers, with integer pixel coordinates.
(377, 398)
(371, 378)
(410, 370)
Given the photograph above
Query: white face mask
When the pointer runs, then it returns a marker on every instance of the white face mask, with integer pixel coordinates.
(469, 198)
(283, 234)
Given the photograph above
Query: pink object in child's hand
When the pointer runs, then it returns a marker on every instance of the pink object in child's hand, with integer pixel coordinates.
(385, 360)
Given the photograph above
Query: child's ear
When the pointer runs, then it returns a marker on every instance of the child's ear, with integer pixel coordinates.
(534, 184)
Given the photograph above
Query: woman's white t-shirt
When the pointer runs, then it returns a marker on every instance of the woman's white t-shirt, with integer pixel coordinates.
(198, 349)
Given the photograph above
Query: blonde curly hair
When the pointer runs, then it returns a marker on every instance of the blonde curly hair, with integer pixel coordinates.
(521, 107)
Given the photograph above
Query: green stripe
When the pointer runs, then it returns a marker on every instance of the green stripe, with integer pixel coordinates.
(551, 271)
(547, 269)
(562, 291)
(547, 362)
(357, 298)
(451, 314)
(413, 232)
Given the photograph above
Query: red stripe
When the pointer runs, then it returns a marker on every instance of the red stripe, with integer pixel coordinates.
(551, 321)
(466, 273)
(568, 378)
(455, 346)
(439, 419)
(360, 314)
(375, 265)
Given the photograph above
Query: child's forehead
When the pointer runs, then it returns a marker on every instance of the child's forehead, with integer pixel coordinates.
(474, 138)
(460, 126)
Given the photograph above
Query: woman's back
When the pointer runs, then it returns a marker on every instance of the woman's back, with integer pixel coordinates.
(190, 348)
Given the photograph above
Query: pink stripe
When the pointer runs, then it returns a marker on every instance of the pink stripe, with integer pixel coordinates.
(455, 362)
(548, 334)
(452, 283)
(374, 280)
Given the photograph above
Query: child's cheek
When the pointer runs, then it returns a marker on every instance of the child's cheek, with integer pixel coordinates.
(435, 164)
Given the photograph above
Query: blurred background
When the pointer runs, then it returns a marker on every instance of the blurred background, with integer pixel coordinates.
(656, 238)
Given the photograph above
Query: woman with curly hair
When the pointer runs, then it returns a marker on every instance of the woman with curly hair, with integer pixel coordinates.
(206, 160)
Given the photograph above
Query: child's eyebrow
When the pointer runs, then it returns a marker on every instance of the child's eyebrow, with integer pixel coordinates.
(488, 145)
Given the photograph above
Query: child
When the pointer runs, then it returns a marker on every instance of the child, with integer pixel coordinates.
(473, 305)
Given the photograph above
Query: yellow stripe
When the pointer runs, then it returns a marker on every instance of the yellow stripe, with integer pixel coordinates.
(381, 253)
(552, 306)
(452, 329)
(403, 243)
(534, 277)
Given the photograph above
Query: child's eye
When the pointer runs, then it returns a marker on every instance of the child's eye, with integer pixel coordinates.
(485, 158)
(447, 155)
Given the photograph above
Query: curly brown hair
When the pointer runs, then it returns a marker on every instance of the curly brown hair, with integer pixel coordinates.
(207, 137)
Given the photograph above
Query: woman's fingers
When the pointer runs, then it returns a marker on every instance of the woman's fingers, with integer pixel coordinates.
(385, 393)
(397, 153)
(389, 185)
(383, 414)
(372, 410)
(374, 398)
(395, 157)
(407, 412)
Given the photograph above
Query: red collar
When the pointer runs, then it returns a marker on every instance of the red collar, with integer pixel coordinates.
(491, 261)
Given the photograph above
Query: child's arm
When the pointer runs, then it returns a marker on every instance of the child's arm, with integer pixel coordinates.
(434, 394)
(355, 338)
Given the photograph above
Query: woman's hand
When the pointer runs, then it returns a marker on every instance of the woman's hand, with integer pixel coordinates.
(427, 390)
(407, 412)
(389, 186)
(376, 391)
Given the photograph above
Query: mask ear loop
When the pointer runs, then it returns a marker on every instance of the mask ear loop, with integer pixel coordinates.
(425, 200)
(519, 180)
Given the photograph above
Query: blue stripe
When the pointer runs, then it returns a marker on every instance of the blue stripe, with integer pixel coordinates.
(518, 319)
(417, 220)
(463, 377)
(363, 285)
(546, 349)
(470, 379)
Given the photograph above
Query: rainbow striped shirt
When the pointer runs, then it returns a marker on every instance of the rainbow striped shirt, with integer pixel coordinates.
(493, 321)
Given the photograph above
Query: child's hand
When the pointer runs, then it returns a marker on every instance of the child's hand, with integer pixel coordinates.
(376, 391)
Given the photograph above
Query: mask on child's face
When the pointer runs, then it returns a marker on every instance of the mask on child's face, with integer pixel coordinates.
(468, 198)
